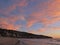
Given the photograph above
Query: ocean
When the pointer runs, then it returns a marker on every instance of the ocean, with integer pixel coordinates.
(39, 41)
(21, 41)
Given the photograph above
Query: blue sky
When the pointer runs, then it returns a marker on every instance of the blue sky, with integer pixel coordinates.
(33, 16)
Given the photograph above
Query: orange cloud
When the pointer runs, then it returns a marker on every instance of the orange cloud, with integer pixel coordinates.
(48, 15)
(53, 11)
(41, 30)
(9, 26)
(34, 18)
(16, 18)
(49, 31)
(8, 23)
(30, 23)
(54, 28)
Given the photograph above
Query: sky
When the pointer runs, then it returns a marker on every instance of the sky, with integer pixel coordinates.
(40, 17)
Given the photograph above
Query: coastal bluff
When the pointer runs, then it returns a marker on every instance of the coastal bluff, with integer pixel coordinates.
(19, 34)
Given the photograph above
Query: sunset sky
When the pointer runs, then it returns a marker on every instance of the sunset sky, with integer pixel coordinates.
(33, 16)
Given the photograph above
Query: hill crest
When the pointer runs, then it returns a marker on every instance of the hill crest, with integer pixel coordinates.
(19, 34)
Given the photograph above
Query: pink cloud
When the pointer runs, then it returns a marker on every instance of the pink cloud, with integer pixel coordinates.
(22, 3)
(8, 23)
(48, 15)
(12, 7)
(30, 23)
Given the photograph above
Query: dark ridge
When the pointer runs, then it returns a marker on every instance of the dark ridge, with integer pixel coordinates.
(19, 34)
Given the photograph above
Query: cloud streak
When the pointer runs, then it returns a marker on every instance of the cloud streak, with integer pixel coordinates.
(11, 19)
(27, 13)
(13, 6)
(48, 15)
(9, 22)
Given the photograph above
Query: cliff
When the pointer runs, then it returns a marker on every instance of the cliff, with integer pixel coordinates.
(19, 34)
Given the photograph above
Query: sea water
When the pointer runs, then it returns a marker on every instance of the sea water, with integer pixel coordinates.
(39, 41)
(21, 41)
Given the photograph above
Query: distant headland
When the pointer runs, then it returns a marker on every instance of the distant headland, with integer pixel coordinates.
(19, 34)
